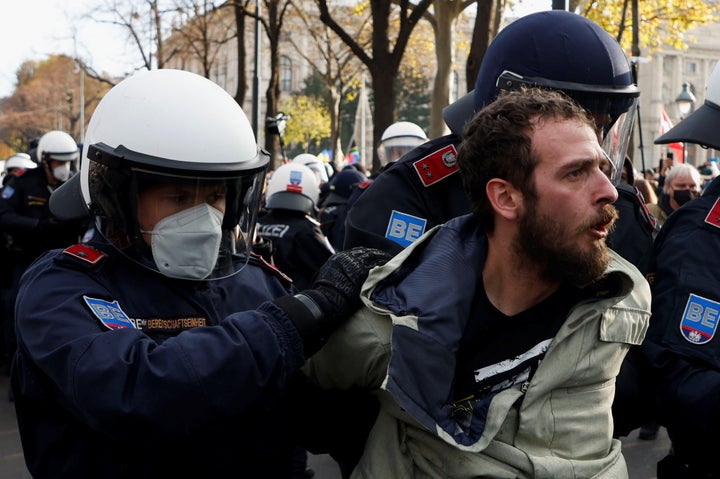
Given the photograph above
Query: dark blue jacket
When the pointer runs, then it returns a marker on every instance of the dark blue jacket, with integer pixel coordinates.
(683, 342)
(115, 377)
(24, 212)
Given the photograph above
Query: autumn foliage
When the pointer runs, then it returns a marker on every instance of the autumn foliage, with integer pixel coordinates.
(47, 97)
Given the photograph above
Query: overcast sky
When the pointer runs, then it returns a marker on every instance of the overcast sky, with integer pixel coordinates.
(34, 29)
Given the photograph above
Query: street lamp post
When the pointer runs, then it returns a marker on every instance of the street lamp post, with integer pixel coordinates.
(685, 101)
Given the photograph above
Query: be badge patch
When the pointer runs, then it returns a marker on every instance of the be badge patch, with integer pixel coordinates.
(700, 319)
(109, 313)
(404, 229)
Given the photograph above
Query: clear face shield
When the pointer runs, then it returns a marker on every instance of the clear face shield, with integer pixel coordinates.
(194, 225)
(616, 139)
(395, 148)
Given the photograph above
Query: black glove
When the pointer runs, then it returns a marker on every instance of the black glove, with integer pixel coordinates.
(334, 295)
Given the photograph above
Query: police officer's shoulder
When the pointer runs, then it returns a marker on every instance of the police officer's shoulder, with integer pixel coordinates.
(82, 255)
(632, 195)
(260, 262)
(432, 161)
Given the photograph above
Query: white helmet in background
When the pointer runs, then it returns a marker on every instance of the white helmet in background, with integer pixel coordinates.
(58, 146)
(21, 161)
(293, 186)
(169, 128)
(315, 164)
(398, 139)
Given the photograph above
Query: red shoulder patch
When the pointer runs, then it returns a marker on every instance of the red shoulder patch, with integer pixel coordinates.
(437, 166)
(85, 253)
(273, 269)
(365, 184)
(713, 216)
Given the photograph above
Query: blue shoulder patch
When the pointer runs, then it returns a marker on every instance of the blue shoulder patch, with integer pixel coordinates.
(700, 319)
(8, 191)
(404, 229)
(109, 313)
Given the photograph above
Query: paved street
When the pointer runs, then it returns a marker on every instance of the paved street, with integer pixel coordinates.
(641, 456)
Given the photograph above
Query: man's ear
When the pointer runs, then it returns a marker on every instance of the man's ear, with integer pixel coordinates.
(505, 199)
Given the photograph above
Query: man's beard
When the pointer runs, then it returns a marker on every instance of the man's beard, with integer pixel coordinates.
(543, 241)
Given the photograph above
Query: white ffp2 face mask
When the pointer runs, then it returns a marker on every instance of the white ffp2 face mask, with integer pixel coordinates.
(62, 172)
(185, 245)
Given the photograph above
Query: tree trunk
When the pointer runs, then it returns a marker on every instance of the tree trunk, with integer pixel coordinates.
(483, 33)
(382, 81)
(242, 85)
(446, 13)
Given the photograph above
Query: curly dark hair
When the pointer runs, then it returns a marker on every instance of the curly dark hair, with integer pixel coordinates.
(497, 143)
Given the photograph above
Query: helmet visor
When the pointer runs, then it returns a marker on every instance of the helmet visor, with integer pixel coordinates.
(616, 139)
(395, 148)
(188, 225)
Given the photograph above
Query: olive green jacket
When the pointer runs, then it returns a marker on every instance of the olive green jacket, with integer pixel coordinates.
(402, 345)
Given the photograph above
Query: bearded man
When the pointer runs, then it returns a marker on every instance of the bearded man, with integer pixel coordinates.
(493, 342)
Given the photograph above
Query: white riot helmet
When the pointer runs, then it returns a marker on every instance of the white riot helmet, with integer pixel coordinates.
(315, 164)
(58, 146)
(19, 160)
(176, 131)
(398, 139)
(293, 187)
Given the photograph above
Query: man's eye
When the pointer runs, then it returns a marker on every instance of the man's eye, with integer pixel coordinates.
(576, 173)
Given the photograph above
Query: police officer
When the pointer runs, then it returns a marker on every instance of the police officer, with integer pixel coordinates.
(569, 53)
(25, 216)
(334, 206)
(16, 165)
(134, 356)
(683, 344)
(24, 210)
(398, 139)
(299, 247)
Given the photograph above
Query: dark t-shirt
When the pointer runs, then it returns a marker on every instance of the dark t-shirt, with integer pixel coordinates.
(498, 352)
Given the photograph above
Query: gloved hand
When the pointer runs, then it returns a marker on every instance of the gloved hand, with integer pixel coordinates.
(336, 289)
(334, 296)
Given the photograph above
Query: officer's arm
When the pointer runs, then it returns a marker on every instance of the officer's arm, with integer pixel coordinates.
(10, 220)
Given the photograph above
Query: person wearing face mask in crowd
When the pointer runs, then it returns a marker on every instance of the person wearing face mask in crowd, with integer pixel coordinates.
(162, 347)
(26, 220)
(682, 184)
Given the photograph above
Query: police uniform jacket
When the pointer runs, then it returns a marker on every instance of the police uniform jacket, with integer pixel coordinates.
(299, 247)
(683, 344)
(23, 206)
(403, 344)
(115, 375)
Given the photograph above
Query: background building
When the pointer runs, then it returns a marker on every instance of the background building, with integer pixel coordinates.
(661, 77)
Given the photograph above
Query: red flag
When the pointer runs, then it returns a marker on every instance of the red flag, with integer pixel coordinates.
(665, 125)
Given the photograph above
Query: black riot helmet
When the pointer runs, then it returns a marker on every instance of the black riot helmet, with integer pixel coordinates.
(563, 51)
